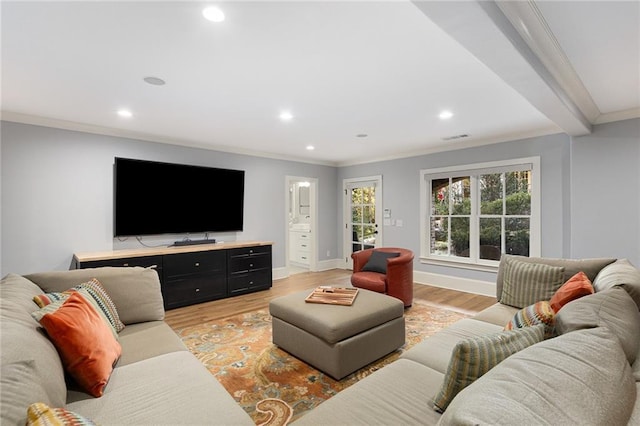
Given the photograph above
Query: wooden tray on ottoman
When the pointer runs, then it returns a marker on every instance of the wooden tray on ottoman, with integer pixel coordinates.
(333, 295)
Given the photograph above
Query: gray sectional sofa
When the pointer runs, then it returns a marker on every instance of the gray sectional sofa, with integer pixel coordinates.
(156, 381)
(588, 373)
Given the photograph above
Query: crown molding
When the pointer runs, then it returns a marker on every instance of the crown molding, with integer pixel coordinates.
(35, 120)
(626, 114)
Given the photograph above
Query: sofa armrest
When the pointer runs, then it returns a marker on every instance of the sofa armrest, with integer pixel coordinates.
(134, 290)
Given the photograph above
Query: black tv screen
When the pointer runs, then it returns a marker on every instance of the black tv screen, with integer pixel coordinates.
(152, 197)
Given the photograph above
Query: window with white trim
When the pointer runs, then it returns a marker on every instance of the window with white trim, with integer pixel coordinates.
(473, 214)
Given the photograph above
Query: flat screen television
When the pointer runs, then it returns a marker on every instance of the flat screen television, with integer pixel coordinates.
(153, 197)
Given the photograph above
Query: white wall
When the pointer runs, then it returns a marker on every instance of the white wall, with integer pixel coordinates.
(57, 195)
(605, 192)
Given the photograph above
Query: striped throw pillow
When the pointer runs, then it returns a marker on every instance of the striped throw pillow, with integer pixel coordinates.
(100, 300)
(538, 313)
(473, 357)
(40, 414)
(527, 283)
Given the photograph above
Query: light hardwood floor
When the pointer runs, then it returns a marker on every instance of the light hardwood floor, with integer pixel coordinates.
(209, 311)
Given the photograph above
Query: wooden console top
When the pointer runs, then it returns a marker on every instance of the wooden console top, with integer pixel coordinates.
(153, 251)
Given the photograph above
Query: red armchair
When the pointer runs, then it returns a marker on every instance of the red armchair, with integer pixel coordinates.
(396, 282)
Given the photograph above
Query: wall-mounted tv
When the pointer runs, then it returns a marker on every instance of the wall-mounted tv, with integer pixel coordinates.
(153, 197)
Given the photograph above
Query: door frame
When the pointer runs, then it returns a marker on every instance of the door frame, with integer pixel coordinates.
(346, 215)
(313, 208)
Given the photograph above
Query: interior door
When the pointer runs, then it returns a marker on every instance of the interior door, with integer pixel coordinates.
(363, 224)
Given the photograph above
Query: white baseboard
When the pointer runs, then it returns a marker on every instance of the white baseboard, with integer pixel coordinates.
(326, 265)
(280, 273)
(467, 285)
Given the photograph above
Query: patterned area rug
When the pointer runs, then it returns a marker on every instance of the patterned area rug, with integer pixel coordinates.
(272, 386)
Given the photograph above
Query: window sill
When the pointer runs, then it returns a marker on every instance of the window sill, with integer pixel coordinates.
(461, 265)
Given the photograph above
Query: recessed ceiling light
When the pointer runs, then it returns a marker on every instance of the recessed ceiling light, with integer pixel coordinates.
(125, 113)
(310, 147)
(213, 14)
(445, 115)
(155, 81)
(286, 116)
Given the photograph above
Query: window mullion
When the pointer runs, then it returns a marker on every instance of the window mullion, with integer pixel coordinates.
(474, 231)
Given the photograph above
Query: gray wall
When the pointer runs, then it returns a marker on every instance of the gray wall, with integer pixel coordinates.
(401, 181)
(605, 192)
(57, 195)
(56, 189)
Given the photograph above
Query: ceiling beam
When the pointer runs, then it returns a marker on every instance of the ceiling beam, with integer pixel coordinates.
(484, 30)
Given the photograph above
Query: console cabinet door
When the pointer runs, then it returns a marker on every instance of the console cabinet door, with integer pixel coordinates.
(194, 278)
(249, 269)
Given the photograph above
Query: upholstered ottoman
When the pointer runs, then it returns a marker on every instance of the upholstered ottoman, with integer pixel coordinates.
(336, 339)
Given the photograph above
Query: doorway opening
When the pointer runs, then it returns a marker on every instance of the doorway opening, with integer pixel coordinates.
(301, 232)
(362, 215)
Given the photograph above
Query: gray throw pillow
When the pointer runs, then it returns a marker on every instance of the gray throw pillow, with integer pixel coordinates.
(526, 283)
(621, 273)
(612, 308)
(579, 378)
(378, 261)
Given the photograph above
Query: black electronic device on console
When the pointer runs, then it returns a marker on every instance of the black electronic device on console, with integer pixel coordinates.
(192, 242)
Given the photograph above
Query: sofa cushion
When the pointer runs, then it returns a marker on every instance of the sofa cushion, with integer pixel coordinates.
(435, 351)
(170, 389)
(378, 261)
(22, 340)
(20, 387)
(498, 314)
(538, 313)
(613, 308)
(39, 414)
(471, 358)
(623, 273)
(577, 378)
(526, 283)
(85, 342)
(577, 286)
(590, 267)
(393, 395)
(101, 300)
(143, 304)
(146, 340)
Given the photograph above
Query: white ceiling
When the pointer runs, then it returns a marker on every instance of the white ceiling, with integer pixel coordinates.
(506, 70)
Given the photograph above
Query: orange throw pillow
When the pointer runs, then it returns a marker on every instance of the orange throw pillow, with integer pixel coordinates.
(85, 343)
(577, 286)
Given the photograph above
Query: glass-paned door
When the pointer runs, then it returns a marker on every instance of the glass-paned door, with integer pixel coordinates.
(363, 225)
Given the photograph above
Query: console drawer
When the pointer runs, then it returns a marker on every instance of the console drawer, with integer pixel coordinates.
(182, 264)
(250, 281)
(187, 291)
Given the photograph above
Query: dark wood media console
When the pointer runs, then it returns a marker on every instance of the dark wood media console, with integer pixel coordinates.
(195, 274)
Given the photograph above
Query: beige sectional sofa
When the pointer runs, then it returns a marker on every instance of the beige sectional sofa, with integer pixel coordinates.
(588, 374)
(156, 380)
